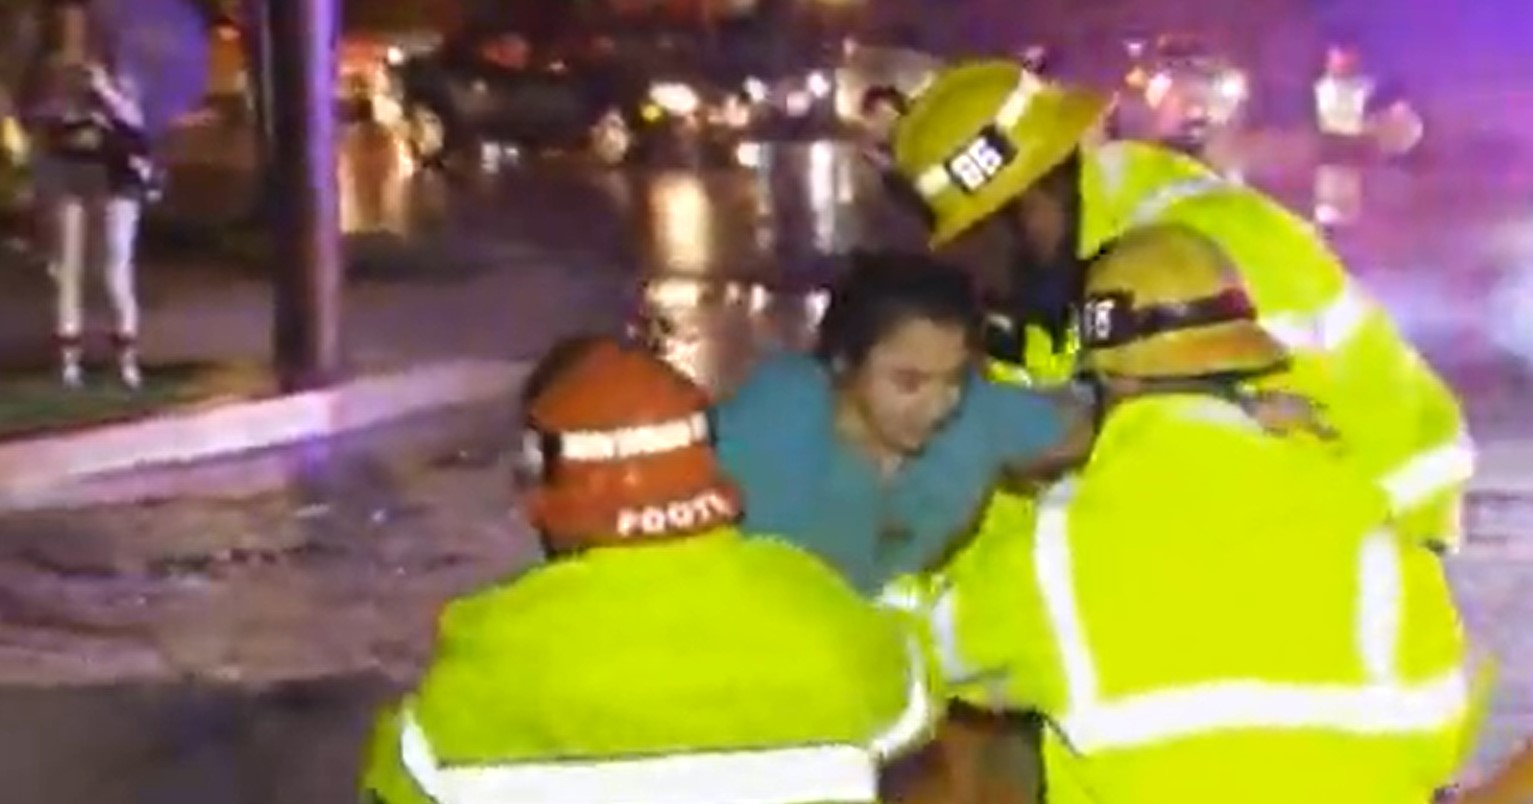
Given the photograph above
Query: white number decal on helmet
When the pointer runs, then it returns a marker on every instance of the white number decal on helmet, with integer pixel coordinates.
(1097, 319)
(981, 160)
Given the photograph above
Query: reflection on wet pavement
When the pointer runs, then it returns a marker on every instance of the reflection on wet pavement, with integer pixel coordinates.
(1417, 237)
(202, 651)
(715, 329)
(381, 186)
(684, 228)
(783, 203)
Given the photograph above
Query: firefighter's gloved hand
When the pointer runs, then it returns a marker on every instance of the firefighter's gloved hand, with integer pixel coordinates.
(1283, 413)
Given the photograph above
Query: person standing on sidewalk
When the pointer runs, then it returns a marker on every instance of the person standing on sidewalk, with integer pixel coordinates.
(659, 655)
(93, 173)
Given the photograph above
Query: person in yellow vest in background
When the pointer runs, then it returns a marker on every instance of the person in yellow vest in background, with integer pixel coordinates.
(1207, 611)
(999, 155)
(659, 655)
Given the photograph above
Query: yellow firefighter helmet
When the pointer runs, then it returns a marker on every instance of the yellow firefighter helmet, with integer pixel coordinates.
(982, 133)
(1164, 302)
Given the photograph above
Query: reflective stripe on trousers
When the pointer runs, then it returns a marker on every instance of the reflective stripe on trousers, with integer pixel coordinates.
(798, 775)
(1382, 706)
(916, 719)
(1422, 475)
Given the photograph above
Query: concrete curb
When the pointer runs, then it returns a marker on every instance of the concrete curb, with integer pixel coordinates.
(38, 472)
(54, 470)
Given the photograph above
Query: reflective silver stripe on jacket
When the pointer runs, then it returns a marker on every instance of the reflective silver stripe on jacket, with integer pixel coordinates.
(798, 775)
(1381, 705)
(801, 775)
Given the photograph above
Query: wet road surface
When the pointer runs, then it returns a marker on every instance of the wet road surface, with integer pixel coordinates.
(734, 252)
(251, 637)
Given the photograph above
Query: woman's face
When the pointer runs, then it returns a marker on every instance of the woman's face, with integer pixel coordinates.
(910, 383)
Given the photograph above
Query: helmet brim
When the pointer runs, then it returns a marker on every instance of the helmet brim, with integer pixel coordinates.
(1235, 347)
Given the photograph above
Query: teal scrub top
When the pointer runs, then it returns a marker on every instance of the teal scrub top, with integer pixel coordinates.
(776, 438)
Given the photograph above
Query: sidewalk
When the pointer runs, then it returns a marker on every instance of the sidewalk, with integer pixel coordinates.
(457, 316)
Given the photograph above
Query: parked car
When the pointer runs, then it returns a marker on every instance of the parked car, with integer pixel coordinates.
(583, 96)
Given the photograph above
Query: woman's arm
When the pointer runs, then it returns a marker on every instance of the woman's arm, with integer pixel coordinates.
(1035, 433)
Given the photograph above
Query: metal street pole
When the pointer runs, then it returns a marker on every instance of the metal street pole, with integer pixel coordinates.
(305, 219)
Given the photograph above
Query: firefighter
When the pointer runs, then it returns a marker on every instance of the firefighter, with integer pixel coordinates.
(993, 150)
(997, 155)
(1226, 614)
(659, 655)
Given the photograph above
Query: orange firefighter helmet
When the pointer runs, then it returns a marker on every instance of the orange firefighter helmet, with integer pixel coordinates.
(617, 449)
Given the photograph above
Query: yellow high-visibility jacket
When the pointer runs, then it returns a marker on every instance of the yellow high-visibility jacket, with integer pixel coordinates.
(711, 669)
